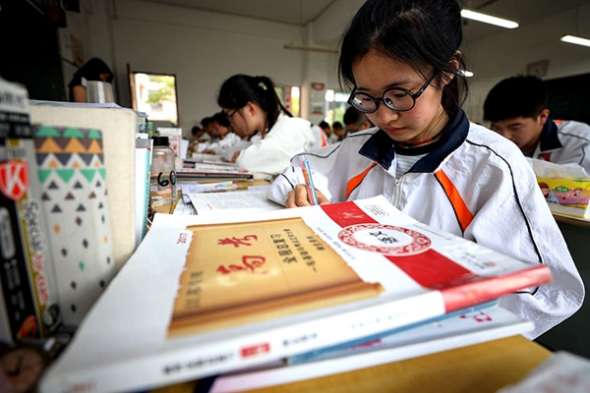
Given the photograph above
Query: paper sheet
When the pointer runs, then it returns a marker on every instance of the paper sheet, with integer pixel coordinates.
(230, 202)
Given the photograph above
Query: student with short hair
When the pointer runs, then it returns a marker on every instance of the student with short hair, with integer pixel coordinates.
(222, 136)
(355, 121)
(517, 109)
(338, 132)
(325, 126)
(403, 61)
(257, 114)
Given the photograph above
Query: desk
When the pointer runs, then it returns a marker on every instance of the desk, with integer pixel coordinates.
(481, 368)
(572, 334)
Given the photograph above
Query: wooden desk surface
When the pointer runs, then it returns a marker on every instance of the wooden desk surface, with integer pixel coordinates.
(572, 220)
(481, 368)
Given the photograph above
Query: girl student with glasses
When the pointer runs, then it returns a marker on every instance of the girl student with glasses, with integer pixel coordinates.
(402, 58)
(257, 115)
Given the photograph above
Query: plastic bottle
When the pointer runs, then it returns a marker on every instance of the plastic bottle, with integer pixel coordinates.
(162, 173)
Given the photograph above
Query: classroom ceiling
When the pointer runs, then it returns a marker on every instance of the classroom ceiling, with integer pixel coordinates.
(300, 12)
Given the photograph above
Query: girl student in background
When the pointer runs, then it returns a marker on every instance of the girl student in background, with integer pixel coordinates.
(93, 70)
(257, 114)
(402, 59)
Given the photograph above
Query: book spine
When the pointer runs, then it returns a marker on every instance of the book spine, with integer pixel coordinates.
(349, 347)
(72, 178)
(143, 153)
(27, 283)
(248, 350)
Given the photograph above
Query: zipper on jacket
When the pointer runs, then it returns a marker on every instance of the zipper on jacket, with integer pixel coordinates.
(396, 191)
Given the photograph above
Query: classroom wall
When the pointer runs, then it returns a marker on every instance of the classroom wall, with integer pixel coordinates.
(205, 48)
(509, 52)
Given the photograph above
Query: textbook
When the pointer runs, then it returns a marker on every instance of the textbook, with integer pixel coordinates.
(74, 201)
(119, 127)
(208, 295)
(213, 172)
(29, 299)
(470, 327)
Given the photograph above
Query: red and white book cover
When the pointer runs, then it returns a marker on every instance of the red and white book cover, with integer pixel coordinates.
(204, 295)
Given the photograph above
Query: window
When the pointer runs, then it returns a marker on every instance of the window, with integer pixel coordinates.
(336, 104)
(154, 94)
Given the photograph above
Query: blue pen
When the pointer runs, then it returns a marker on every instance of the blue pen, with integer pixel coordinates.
(313, 198)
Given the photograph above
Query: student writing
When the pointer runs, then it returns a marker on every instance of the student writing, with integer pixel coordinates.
(402, 59)
(222, 138)
(517, 110)
(257, 114)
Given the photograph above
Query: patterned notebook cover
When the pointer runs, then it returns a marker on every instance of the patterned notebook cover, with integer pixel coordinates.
(74, 199)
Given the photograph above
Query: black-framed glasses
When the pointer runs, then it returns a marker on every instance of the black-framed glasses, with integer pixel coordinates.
(396, 98)
(231, 115)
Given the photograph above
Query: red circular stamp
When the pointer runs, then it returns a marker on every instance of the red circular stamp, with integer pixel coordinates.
(385, 239)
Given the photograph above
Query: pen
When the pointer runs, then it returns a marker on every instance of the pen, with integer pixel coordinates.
(313, 198)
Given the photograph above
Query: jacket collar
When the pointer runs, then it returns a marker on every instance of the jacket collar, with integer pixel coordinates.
(381, 148)
(549, 138)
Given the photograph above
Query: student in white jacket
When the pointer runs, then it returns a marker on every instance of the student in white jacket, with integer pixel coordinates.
(257, 114)
(424, 155)
(223, 138)
(517, 109)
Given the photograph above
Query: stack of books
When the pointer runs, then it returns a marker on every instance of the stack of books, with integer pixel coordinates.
(205, 172)
(284, 292)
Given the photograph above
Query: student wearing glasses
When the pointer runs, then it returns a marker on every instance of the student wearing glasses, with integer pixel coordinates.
(402, 59)
(222, 137)
(257, 114)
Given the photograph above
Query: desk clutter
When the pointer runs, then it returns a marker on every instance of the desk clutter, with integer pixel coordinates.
(239, 292)
(566, 188)
(103, 292)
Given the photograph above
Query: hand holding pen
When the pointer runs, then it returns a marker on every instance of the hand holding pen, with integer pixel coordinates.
(313, 198)
(305, 195)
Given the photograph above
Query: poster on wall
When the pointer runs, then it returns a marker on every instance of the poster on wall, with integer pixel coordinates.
(317, 99)
(77, 51)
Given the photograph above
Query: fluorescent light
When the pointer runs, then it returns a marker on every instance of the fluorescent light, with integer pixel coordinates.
(572, 39)
(492, 20)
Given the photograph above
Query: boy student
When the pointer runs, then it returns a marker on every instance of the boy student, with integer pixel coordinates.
(403, 61)
(326, 128)
(222, 137)
(338, 132)
(517, 110)
(355, 121)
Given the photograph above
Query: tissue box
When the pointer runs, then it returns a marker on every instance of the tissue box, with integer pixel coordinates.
(566, 187)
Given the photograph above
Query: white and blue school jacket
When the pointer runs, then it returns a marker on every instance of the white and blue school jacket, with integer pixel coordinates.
(475, 184)
(269, 156)
(565, 142)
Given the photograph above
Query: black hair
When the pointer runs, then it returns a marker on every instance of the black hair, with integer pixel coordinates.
(516, 96)
(337, 124)
(351, 116)
(91, 71)
(195, 130)
(240, 89)
(419, 33)
(324, 124)
(222, 119)
(205, 121)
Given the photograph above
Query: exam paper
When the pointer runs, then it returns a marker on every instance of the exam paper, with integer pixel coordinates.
(232, 202)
